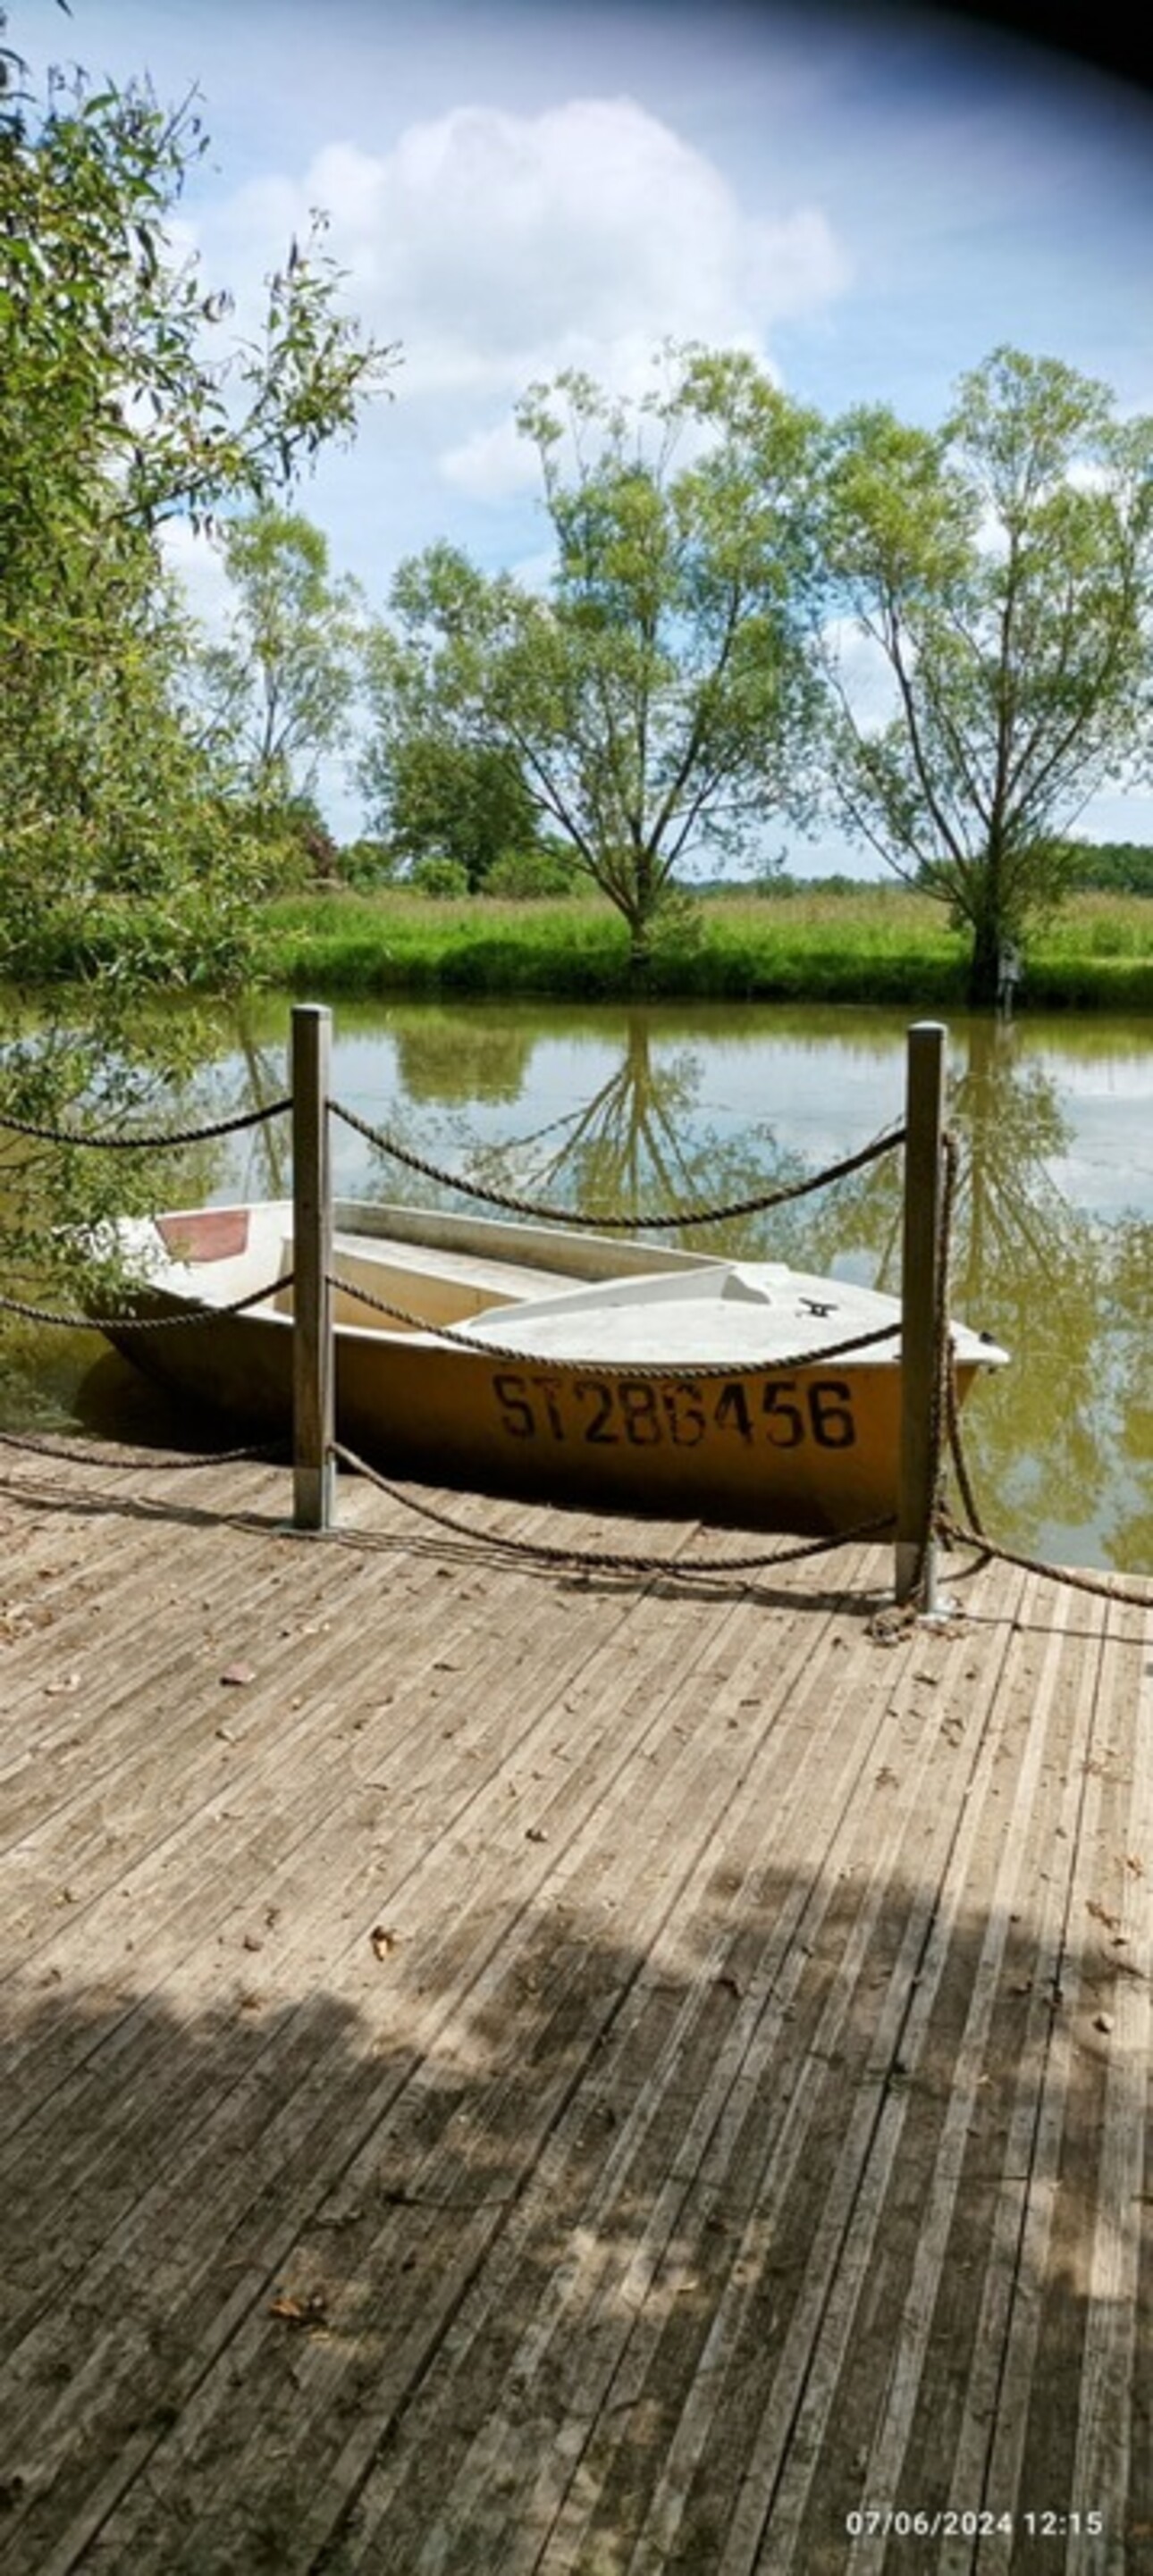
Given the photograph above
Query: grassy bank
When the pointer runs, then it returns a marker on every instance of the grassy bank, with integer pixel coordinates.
(879, 944)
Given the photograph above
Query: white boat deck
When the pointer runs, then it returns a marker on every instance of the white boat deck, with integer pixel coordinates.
(740, 1315)
(713, 1313)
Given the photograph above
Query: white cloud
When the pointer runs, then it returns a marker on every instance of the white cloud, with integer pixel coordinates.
(493, 241)
(498, 247)
(491, 463)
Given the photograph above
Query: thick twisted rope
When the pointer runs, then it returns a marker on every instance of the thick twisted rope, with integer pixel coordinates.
(616, 1219)
(188, 1315)
(945, 1433)
(954, 1533)
(600, 1560)
(1103, 1586)
(961, 1463)
(130, 1144)
(272, 1453)
(609, 1368)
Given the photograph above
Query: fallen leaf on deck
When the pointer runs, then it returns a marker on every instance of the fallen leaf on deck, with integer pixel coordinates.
(1101, 1914)
(311, 2310)
(383, 1939)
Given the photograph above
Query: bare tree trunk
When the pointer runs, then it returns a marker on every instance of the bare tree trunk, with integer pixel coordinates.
(990, 931)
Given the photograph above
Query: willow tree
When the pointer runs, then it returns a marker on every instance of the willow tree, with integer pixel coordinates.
(437, 797)
(655, 694)
(1001, 571)
(126, 402)
(277, 683)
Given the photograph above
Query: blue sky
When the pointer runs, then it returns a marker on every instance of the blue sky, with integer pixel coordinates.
(869, 199)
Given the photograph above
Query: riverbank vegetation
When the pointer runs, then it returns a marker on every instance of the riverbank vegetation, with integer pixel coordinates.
(938, 639)
(874, 943)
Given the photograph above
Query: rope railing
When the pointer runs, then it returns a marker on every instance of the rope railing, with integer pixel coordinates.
(608, 1560)
(1104, 1587)
(946, 1441)
(138, 1141)
(187, 1316)
(123, 1454)
(956, 1534)
(612, 1220)
(666, 1369)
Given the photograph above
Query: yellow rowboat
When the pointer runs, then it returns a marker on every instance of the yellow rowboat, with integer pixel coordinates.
(618, 1376)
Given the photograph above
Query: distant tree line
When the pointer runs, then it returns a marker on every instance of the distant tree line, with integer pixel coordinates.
(1094, 867)
(1113, 867)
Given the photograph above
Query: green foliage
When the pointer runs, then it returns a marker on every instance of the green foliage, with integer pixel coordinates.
(436, 796)
(1002, 572)
(117, 846)
(660, 696)
(445, 879)
(1112, 867)
(531, 876)
(367, 863)
(277, 688)
(276, 847)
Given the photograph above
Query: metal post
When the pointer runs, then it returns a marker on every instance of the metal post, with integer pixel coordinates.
(312, 1351)
(920, 1266)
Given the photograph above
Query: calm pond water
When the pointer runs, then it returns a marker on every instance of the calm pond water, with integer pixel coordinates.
(654, 1108)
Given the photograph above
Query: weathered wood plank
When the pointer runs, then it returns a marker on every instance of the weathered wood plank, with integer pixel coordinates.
(628, 2010)
(441, 2172)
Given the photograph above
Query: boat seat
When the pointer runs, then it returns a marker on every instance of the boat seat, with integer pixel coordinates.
(443, 1288)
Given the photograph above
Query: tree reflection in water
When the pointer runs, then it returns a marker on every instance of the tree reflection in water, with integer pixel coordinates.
(643, 1143)
(1061, 1441)
(1064, 1432)
(640, 1140)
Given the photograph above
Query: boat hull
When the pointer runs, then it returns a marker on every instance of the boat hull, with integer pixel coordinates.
(812, 1451)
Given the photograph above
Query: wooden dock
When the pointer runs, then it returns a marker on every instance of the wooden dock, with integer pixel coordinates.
(513, 2069)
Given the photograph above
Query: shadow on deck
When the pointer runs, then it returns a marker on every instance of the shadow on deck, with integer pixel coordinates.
(537, 2081)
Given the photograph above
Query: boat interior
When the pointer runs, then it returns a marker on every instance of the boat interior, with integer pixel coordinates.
(432, 1266)
(576, 1294)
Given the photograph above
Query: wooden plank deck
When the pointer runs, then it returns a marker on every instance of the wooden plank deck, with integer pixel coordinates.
(575, 2073)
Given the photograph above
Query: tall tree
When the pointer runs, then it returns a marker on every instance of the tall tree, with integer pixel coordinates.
(120, 410)
(279, 683)
(657, 696)
(435, 795)
(1002, 571)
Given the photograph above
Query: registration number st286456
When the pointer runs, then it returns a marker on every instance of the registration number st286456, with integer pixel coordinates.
(601, 1412)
